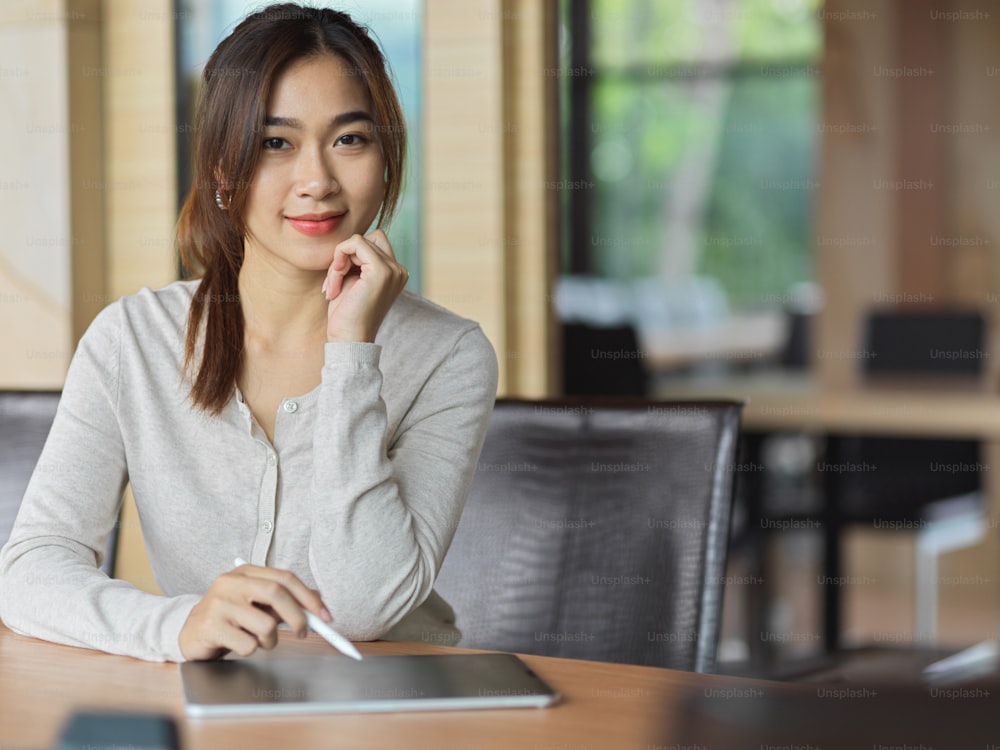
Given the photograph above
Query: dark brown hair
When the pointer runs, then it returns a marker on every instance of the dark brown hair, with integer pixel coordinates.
(237, 84)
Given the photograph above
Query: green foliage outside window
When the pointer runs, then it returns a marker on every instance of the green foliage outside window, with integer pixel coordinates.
(703, 141)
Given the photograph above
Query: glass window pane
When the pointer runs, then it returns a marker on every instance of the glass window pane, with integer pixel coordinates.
(703, 153)
(756, 236)
(637, 34)
(640, 33)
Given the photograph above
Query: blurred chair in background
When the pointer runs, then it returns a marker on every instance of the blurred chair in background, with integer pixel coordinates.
(602, 361)
(931, 486)
(25, 420)
(601, 355)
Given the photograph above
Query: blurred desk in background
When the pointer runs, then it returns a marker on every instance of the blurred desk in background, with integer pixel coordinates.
(795, 402)
(778, 403)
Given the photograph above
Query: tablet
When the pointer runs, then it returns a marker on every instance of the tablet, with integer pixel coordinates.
(281, 685)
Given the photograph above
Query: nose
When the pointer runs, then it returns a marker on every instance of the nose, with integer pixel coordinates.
(314, 175)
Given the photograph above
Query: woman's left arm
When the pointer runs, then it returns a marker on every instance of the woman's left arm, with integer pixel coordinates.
(384, 515)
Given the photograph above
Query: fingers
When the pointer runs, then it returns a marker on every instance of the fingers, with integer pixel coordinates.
(242, 609)
(380, 241)
(349, 256)
(362, 283)
(371, 256)
(283, 587)
(251, 627)
(220, 623)
(240, 642)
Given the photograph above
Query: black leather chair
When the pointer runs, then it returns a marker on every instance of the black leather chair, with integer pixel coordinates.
(25, 420)
(598, 531)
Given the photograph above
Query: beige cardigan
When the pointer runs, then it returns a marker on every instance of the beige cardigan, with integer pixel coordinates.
(359, 495)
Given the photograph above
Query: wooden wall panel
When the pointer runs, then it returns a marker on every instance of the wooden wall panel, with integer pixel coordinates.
(463, 203)
(490, 170)
(920, 97)
(856, 232)
(86, 77)
(532, 190)
(141, 133)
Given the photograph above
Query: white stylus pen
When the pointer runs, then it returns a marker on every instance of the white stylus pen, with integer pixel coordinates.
(330, 635)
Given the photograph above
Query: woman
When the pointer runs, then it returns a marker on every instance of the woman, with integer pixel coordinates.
(294, 406)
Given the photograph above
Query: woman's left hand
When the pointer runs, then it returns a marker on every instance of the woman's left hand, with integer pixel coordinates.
(362, 283)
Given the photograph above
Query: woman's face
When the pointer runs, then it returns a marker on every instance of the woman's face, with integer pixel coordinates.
(320, 177)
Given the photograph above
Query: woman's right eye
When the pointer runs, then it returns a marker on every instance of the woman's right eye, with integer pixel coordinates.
(274, 144)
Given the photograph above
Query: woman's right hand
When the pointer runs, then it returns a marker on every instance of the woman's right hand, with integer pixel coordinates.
(241, 611)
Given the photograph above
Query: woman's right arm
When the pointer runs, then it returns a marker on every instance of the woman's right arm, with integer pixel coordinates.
(50, 583)
(51, 586)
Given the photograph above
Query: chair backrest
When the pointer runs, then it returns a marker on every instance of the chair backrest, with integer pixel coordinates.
(25, 420)
(602, 361)
(598, 532)
(926, 344)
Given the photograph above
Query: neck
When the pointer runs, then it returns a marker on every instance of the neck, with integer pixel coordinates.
(279, 304)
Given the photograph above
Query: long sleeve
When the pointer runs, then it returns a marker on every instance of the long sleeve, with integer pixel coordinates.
(50, 584)
(383, 515)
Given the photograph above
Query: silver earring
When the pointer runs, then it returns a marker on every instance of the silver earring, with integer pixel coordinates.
(219, 202)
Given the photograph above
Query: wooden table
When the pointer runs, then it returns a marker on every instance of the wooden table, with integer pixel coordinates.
(776, 403)
(603, 706)
(613, 706)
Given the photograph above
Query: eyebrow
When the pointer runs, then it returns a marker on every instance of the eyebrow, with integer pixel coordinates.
(344, 118)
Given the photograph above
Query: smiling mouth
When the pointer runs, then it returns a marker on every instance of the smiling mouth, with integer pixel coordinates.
(316, 224)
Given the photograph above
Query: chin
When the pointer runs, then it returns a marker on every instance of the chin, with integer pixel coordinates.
(316, 257)
(319, 265)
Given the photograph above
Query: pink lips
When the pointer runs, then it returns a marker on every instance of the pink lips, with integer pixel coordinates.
(315, 224)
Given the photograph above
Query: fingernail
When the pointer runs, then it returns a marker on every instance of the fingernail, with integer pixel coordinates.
(326, 282)
(325, 614)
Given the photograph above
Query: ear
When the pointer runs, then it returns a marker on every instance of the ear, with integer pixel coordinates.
(219, 180)
(220, 187)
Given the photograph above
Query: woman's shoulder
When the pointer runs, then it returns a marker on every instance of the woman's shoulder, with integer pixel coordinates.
(170, 303)
(415, 324)
(417, 329)
(413, 314)
(148, 314)
(174, 299)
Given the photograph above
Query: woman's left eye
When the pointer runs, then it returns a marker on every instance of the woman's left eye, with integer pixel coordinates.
(274, 144)
(352, 139)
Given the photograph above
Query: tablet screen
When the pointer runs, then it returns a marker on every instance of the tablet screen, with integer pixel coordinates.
(277, 685)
